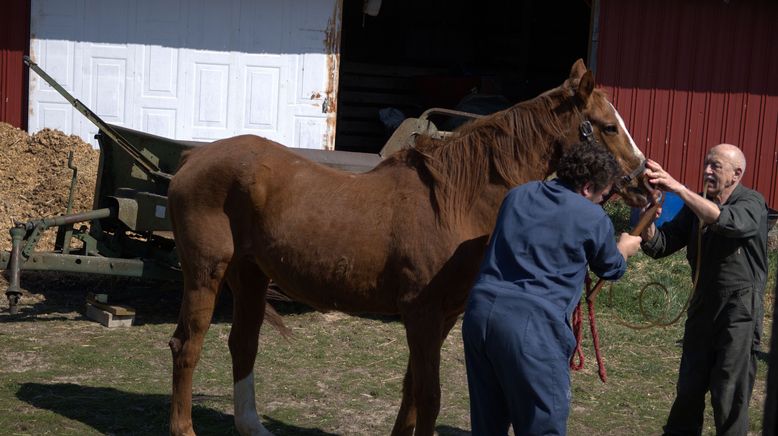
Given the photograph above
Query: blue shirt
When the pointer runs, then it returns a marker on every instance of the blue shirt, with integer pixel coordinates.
(545, 236)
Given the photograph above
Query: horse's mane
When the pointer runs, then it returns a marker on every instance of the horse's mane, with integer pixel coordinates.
(511, 146)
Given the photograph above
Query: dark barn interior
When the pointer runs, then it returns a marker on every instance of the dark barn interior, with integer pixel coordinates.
(476, 56)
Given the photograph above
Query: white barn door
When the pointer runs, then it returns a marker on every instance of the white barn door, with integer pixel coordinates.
(190, 69)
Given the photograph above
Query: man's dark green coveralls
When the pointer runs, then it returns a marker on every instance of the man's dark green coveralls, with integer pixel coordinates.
(724, 322)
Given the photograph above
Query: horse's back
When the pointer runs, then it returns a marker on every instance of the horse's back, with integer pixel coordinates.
(225, 158)
(208, 174)
(268, 187)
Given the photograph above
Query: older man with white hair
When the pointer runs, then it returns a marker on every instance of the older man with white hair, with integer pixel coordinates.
(725, 235)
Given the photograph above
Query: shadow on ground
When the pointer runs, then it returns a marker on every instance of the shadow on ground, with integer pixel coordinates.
(111, 411)
(52, 296)
(445, 430)
(56, 296)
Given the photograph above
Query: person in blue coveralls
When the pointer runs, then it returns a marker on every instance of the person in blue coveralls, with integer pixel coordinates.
(516, 330)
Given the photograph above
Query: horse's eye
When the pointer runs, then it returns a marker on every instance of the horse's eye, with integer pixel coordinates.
(611, 129)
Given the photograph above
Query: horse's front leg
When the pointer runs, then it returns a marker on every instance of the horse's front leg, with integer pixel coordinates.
(248, 285)
(406, 417)
(186, 344)
(424, 329)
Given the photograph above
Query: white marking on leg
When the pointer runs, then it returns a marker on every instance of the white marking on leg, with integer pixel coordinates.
(635, 148)
(246, 419)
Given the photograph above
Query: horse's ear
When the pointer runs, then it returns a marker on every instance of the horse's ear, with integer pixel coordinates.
(578, 70)
(585, 87)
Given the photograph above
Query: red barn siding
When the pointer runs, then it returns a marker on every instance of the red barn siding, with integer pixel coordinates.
(14, 43)
(687, 75)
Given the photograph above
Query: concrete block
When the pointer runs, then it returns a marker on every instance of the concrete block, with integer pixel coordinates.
(107, 318)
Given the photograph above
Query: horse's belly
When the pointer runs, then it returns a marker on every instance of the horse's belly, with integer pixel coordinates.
(338, 288)
(345, 300)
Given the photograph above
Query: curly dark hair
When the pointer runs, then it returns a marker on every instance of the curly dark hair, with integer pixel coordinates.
(588, 162)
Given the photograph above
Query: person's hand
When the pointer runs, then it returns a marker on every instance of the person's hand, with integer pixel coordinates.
(628, 245)
(660, 178)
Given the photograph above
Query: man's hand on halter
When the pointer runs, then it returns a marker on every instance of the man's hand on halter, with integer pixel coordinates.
(661, 179)
(628, 245)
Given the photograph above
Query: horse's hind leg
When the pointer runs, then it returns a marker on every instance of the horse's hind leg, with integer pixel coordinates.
(248, 285)
(201, 285)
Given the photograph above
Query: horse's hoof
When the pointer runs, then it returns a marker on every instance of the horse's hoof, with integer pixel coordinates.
(258, 432)
(182, 431)
(251, 426)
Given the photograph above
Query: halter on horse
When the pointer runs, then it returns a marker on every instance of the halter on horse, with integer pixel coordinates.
(587, 135)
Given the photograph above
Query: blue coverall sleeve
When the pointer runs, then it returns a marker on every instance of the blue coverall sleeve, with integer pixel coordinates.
(603, 256)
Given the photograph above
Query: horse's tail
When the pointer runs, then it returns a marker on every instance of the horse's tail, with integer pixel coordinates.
(275, 320)
(184, 156)
(274, 292)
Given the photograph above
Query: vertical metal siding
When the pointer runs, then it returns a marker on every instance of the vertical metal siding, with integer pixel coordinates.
(14, 43)
(689, 74)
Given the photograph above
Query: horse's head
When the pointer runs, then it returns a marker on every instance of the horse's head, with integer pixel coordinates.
(599, 121)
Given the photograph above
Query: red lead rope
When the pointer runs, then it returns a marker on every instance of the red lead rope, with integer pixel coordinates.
(578, 331)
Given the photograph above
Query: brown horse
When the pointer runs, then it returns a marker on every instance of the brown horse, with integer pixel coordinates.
(405, 238)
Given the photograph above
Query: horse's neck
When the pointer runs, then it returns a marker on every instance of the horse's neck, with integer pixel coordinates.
(491, 195)
(483, 214)
(474, 171)
(488, 203)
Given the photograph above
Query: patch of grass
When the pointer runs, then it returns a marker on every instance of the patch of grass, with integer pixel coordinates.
(619, 212)
(651, 292)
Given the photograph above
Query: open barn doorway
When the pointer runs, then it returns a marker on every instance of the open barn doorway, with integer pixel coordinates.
(473, 55)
